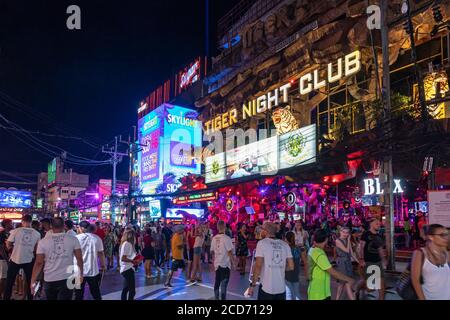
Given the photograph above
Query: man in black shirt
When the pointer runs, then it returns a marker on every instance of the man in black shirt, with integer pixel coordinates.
(7, 226)
(372, 256)
(167, 237)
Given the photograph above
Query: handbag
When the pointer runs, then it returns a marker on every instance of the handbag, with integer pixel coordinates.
(404, 286)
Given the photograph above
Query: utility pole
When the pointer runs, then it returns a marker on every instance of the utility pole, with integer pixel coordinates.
(133, 150)
(116, 158)
(387, 175)
(130, 145)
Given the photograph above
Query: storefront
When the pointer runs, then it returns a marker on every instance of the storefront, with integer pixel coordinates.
(319, 93)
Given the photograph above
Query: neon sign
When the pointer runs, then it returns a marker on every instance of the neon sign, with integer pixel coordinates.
(373, 187)
(344, 67)
(200, 197)
(190, 76)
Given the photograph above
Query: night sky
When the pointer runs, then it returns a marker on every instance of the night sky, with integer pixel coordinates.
(88, 83)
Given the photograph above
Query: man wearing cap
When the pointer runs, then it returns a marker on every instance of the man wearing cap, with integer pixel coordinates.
(273, 259)
(92, 250)
(177, 244)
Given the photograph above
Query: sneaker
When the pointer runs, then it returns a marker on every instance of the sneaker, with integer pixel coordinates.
(168, 285)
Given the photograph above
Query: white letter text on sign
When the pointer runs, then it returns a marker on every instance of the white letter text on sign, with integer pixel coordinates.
(374, 280)
(374, 20)
(74, 280)
(74, 20)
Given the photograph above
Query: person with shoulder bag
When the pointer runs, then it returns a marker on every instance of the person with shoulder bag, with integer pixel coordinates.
(430, 266)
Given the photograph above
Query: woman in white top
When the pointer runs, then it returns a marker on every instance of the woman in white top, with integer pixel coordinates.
(198, 245)
(127, 253)
(430, 269)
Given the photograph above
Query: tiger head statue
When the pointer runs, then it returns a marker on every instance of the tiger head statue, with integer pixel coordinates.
(284, 120)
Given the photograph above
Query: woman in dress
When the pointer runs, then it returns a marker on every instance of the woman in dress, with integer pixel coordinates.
(148, 252)
(344, 254)
(430, 267)
(109, 243)
(242, 248)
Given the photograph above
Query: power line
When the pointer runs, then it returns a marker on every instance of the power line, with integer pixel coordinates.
(34, 113)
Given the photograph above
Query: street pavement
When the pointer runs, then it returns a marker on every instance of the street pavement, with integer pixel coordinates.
(153, 289)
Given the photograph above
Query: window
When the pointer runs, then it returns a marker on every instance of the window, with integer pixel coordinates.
(73, 193)
(65, 191)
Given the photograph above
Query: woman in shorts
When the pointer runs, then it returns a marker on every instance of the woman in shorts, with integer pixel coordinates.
(197, 254)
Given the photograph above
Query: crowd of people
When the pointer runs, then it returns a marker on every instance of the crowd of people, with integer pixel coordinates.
(55, 259)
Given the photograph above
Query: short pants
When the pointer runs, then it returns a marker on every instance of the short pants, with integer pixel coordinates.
(177, 264)
(198, 251)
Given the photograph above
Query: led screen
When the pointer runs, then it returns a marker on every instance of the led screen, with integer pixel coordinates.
(298, 147)
(15, 199)
(179, 213)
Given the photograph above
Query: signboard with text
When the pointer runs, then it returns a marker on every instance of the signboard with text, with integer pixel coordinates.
(266, 156)
(439, 207)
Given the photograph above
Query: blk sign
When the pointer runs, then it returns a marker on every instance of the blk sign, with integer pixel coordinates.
(373, 187)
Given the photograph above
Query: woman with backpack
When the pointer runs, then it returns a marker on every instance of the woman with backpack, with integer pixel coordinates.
(293, 277)
(430, 266)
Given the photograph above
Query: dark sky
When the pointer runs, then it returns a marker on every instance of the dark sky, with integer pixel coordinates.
(88, 83)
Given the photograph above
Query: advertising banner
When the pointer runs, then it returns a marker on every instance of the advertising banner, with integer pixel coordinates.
(298, 147)
(168, 136)
(15, 199)
(153, 207)
(258, 157)
(179, 213)
(215, 168)
(439, 207)
(264, 157)
(149, 138)
(51, 171)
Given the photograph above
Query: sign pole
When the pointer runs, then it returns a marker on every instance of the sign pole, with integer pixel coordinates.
(387, 163)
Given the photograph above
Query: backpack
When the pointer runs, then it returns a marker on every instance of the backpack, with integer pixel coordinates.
(404, 286)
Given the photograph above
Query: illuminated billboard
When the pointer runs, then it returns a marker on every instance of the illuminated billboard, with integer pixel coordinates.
(298, 147)
(149, 138)
(266, 156)
(169, 136)
(51, 171)
(215, 168)
(154, 208)
(180, 213)
(244, 161)
(15, 199)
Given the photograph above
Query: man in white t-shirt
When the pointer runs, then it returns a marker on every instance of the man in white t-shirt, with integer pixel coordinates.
(272, 259)
(55, 254)
(23, 242)
(222, 252)
(92, 250)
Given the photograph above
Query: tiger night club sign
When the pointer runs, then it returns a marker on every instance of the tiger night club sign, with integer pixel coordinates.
(344, 67)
